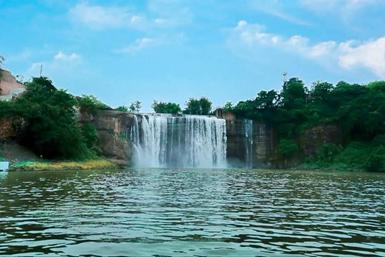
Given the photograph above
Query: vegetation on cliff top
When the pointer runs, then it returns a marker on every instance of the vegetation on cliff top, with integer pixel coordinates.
(161, 107)
(358, 110)
(202, 106)
(45, 121)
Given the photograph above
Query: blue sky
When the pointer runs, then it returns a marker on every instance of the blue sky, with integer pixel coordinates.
(171, 50)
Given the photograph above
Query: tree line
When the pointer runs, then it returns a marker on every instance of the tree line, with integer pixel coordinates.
(45, 120)
(357, 110)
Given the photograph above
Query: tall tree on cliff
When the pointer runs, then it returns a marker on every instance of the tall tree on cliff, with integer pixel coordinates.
(200, 106)
(50, 129)
(161, 107)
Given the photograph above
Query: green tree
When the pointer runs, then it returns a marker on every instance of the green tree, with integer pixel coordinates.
(90, 104)
(50, 126)
(135, 106)
(200, 106)
(228, 107)
(90, 136)
(321, 91)
(122, 109)
(287, 148)
(205, 106)
(161, 107)
(193, 106)
(293, 94)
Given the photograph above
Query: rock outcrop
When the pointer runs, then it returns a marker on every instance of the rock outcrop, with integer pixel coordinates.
(9, 87)
(312, 139)
(112, 127)
(254, 150)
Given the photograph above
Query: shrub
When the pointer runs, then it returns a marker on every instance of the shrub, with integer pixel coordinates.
(90, 104)
(50, 126)
(376, 160)
(172, 108)
(328, 152)
(287, 148)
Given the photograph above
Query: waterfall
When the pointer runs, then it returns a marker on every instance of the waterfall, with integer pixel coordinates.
(248, 143)
(178, 141)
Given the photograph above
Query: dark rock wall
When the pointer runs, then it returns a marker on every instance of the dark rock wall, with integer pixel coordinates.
(312, 139)
(112, 128)
(262, 144)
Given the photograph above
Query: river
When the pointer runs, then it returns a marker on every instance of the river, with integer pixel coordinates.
(192, 212)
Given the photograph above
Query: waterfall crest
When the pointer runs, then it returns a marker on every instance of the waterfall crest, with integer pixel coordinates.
(179, 141)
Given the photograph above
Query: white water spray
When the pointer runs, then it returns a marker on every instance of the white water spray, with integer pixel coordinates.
(173, 141)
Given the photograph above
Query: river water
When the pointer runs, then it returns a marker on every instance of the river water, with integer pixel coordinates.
(163, 212)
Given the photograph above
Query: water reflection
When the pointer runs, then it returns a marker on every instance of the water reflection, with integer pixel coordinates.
(162, 212)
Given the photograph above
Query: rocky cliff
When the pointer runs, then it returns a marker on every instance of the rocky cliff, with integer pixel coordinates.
(254, 151)
(249, 143)
(313, 138)
(9, 86)
(112, 127)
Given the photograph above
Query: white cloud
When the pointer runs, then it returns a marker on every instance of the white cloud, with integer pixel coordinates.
(276, 8)
(60, 56)
(159, 14)
(139, 44)
(370, 55)
(60, 62)
(102, 17)
(253, 34)
(345, 7)
(347, 55)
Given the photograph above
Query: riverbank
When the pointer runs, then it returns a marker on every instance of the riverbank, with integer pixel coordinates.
(63, 165)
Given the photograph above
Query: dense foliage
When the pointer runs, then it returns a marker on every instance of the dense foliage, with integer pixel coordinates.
(121, 109)
(358, 110)
(200, 106)
(48, 121)
(161, 107)
(90, 104)
(135, 106)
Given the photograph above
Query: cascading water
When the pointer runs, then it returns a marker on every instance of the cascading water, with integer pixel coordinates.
(185, 141)
(248, 130)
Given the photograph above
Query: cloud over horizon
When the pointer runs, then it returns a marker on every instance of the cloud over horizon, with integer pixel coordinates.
(349, 54)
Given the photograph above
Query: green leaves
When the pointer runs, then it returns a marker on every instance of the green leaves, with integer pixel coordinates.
(161, 107)
(90, 104)
(200, 106)
(287, 148)
(50, 126)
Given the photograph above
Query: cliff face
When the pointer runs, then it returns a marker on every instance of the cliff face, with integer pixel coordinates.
(7, 131)
(112, 127)
(253, 151)
(312, 139)
(249, 143)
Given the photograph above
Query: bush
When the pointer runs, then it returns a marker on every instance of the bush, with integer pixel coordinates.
(172, 108)
(287, 148)
(122, 109)
(50, 127)
(328, 152)
(90, 136)
(90, 104)
(198, 106)
(376, 160)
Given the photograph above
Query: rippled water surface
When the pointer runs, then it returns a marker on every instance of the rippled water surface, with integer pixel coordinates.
(162, 212)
